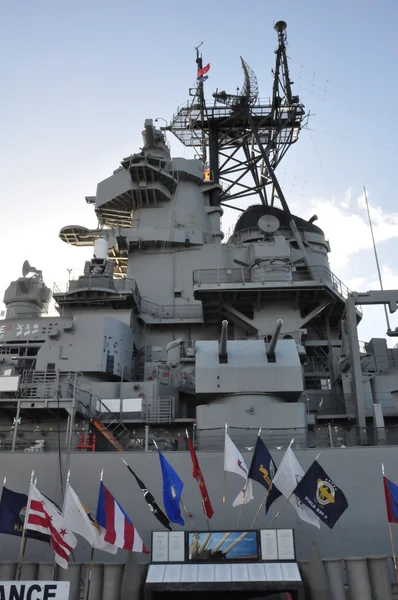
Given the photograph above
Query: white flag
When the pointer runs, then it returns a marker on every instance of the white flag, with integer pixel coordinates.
(77, 519)
(286, 479)
(234, 463)
(42, 515)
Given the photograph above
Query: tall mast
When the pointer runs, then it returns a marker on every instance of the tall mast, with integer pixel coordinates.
(201, 97)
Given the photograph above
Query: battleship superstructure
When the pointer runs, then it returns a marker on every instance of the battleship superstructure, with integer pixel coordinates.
(172, 324)
(172, 327)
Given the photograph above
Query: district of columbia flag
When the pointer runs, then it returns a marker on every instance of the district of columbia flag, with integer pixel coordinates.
(287, 477)
(234, 463)
(120, 531)
(80, 521)
(43, 516)
(391, 495)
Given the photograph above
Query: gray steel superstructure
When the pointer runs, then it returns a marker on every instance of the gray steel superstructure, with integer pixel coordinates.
(173, 326)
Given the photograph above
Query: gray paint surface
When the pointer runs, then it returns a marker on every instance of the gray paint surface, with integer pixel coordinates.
(361, 531)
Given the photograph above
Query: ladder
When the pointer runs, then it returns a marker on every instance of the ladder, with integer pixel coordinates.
(111, 427)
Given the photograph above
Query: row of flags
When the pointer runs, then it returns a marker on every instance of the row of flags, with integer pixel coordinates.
(313, 494)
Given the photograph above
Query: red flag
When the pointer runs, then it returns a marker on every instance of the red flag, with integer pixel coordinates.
(204, 70)
(197, 474)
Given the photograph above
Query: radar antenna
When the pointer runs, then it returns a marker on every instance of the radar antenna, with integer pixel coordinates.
(230, 127)
(249, 91)
(245, 135)
(27, 269)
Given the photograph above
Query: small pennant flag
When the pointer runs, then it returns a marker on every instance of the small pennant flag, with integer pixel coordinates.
(203, 70)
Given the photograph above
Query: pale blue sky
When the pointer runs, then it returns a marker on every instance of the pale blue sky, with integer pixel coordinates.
(78, 78)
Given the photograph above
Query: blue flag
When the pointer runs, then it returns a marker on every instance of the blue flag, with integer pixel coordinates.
(172, 489)
(263, 469)
(317, 491)
(12, 515)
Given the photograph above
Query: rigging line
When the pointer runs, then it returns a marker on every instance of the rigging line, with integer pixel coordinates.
(351, 139)
(333, 102)
(376, 256)
(348, 129)
(321, 166)
(344, 88)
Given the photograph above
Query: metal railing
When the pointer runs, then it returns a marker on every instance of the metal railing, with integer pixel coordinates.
(171, 311)
(92, 282)
(244, 275)
(158, 410)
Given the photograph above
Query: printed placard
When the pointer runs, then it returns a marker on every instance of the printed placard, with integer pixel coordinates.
(176, 546)
(160, 546)
(269, 544)
(285, 544)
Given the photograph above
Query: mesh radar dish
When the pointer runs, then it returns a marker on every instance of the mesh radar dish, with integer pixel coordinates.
(268, 223)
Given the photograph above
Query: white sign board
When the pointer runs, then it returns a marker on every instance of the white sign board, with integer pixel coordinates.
(285, 544)
(34, 590)
(160, 546)
(176, 546)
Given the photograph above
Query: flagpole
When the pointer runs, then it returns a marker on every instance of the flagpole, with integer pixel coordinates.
(224, 496)
(394, 557)
(187, 513)
(92, 556)
(24, 534)
(260, 507)
(63, 510)
(279, 511)
(201, 497)
(241, 506)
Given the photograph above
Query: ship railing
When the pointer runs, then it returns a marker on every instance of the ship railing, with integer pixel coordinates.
(47, 437)
(244, 275)
(171, 311)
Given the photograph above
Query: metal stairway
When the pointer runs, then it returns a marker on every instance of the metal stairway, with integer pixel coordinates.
(111, 427)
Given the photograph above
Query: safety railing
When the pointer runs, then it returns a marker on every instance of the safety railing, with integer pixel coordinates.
(243, 275)
(171, 311)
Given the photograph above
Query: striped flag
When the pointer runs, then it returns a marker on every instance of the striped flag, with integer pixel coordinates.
(43, 516)
(120, 531)
(80, 521)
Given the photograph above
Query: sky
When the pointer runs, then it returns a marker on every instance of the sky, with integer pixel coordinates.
(79, 78)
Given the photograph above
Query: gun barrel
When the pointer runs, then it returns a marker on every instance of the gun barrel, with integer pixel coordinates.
(274, 339)
(223, 354)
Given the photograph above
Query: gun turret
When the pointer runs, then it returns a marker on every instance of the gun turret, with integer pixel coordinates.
(274, 339)
(223, 354)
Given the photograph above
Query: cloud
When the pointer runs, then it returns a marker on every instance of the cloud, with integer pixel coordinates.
(346, 226)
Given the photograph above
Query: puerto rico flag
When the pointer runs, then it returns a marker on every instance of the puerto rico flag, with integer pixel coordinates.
(120, 531)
